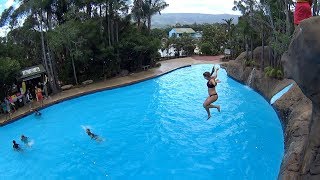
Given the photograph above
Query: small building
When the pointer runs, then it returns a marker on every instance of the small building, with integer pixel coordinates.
(177, 32)
(198, 35)
(32, 72)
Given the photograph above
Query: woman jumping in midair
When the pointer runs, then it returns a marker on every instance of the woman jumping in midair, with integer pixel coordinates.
(213, 96)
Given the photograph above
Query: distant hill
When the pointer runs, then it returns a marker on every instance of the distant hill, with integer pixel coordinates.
(189, 18)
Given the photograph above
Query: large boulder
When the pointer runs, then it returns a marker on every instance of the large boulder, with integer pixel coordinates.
(302, 63)
(124, 72)
(242, 57)
(66, 87)
(87, 82)
(294, 110)
(257, 55)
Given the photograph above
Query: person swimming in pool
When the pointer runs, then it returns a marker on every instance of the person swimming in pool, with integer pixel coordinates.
(36, 112)
(93, 136)
(24, 139)
(16, 146)
(213, 95)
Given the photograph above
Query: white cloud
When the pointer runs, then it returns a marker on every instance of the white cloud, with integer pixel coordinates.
(4, 31)
(200, 6)
(9, 3)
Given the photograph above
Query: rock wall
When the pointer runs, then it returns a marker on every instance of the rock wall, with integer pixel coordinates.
(302, 63)
(293, 108)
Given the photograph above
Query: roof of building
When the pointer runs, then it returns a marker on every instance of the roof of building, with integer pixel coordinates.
(184, 30)
(32, 72)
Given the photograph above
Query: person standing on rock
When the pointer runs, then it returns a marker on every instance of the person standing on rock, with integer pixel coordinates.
(213, 96)
(302, 11)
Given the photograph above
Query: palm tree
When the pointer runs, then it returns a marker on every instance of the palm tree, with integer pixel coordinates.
(137, 11)
(154, 7)
(145, 9)
(229, 25)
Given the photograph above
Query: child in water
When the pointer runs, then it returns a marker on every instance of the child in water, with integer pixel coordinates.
(37, 113)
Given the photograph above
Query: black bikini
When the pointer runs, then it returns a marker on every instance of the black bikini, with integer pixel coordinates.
(211, 86)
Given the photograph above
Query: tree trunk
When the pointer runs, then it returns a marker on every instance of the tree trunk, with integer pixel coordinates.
(108, 24)
(111, 17)
(44, 55)
(247, 49)
(251, 45)
(149, 24)
(74, 70)
(89, 9)
(288, 21)
(138, 4)
(262, 57)
(315, 8)
(53, 69)
(49, 20)
(117, 32)
(149, 16)
(74, 67)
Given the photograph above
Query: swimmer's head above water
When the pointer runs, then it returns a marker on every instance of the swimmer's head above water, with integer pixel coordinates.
(23, 138)
(15, 145)
(88, 130)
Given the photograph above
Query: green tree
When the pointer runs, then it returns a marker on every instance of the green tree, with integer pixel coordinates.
(216, 36)
(8, 72)
(206, 48)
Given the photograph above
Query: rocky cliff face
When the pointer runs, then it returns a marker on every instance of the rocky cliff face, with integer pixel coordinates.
(302, 63)
(293, 108)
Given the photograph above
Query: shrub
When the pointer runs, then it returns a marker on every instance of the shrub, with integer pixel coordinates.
(279, 74)
(206, 48)
(267, 71)
(247, 62)
(273, 73)
(250, 63)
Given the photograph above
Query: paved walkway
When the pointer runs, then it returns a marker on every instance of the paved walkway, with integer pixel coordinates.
(166, 66)
(208, 58)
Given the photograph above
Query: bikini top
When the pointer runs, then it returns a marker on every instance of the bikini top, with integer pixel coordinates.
(211, 85)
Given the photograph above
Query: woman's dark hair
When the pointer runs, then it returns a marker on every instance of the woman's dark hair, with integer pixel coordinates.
(206, 74)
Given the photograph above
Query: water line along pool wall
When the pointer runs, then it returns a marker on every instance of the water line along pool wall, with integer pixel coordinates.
(154, 129)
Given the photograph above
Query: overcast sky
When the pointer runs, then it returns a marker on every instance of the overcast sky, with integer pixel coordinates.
(4, 4)
(179, 6)
(200, 6)
(175, 6)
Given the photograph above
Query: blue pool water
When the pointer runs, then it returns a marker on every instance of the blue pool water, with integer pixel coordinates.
(155, 129)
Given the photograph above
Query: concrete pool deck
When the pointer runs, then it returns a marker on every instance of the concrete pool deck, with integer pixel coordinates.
(166, 67)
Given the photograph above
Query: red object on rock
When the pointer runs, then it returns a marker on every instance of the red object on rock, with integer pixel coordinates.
(302, 12)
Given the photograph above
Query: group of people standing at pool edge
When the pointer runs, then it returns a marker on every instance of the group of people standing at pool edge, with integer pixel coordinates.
(213, 95)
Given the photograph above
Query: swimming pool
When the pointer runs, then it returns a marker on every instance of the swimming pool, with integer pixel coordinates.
(155, 129)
